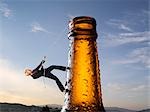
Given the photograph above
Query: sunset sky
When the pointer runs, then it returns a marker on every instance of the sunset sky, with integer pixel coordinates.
(32, 29)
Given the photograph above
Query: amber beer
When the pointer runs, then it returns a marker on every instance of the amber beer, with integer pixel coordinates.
(83, 89)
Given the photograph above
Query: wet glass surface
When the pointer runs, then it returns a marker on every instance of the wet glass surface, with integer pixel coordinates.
(83, 79)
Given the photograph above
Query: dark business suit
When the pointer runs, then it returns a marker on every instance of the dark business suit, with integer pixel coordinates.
(37, 72)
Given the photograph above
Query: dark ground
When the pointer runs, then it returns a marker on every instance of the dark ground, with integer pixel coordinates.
(15, 107)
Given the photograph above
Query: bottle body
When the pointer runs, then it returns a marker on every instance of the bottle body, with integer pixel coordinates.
(83, 90)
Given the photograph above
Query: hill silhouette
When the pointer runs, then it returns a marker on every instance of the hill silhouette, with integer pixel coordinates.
(16, 107)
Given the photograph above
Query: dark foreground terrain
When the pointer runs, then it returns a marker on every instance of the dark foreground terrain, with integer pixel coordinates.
(14, 107)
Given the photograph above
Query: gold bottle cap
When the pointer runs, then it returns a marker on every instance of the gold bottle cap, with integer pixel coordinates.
(82, 25)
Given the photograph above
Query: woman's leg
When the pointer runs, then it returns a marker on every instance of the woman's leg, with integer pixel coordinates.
(59, 84)
(63, 68)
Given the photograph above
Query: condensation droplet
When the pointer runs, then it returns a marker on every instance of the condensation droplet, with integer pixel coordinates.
(88, 70)
(85, 80)
(83, 104)
(84, 109)
(84, 95)
(93, 105)
(93, 94)
(76, 108)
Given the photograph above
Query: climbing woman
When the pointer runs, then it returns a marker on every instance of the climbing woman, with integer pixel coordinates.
(40, 71)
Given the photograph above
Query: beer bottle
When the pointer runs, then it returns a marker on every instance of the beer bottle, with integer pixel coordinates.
(83, 89)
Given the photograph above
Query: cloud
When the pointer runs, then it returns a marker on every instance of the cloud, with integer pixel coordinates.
(137, 18)
(138, 56)
(126, 38)
(139, 88)
(36, 27)
(146, 12)
(124, 27)
(114, 86)
(121, 88)
(114, 22)
(135, 93)
(130, 20)
(5, 10)
(18, 88)
(120, 24)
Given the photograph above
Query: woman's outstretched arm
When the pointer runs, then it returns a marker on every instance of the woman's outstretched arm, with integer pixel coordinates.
(38, 67)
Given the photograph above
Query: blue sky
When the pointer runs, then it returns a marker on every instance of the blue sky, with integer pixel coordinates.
(31, 29)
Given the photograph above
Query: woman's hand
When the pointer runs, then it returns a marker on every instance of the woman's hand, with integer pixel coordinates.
(43, 61)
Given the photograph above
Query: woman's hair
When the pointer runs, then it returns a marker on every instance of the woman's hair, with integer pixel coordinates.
(28, 72)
